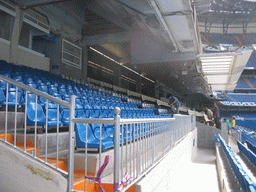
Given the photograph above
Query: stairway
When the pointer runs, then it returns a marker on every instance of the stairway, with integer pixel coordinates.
(79, 179)
(29, 146)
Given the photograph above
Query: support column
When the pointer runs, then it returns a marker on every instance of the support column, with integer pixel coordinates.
(84, 63)
(138, 84)
(117, 76)
(16, 35)
(157, 90)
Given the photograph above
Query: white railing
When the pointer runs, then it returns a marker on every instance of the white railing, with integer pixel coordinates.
(139, 144)
(29, 90)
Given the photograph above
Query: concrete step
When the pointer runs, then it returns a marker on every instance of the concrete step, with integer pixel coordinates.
(9, 137)
(53, 161)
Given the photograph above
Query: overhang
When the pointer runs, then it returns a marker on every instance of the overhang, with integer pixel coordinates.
(222, 70)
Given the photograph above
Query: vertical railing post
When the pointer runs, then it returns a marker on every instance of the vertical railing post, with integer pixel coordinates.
(117, 111)
(71, 143)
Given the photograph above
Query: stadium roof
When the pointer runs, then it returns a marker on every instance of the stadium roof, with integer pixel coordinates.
(222, 70)
(159, 39)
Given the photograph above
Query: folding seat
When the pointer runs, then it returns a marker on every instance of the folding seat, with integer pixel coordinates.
(104, 113)
(104, 105)
(37, 81)
(122, 106)
(80, 112)
(86, 105)
(92, 142)
(2, 96)
(52, 115)
(70, 92)
(3, 83)
(12, 97)
(66, 98)
(42, 88)
(52, 89)
(89, 113)
(96, 127)
(17, 77)
(62, 91)
(78, 102)
(123, 114)
(111, 106)
(41, 120)
(97, 105)
(65, 116)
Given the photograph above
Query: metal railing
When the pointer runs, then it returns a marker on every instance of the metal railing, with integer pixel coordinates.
(139, 144)
(33, 137)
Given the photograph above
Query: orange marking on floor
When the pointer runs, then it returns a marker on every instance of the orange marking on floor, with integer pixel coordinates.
(9, 138)
(248, 82)
(206, 40)
(239, 41)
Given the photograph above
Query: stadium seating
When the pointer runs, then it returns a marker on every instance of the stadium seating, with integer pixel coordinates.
(242, 84)
(92, 142)
(245, 181)
(247, 152)
(90, 103)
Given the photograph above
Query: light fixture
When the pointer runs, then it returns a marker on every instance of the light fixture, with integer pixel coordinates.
(120, 64)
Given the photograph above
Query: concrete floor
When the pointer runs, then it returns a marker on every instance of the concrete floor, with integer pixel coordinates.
(198, 175)
(182, 172)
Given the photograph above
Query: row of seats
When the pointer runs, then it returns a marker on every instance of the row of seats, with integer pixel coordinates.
(245, 181)
(252, 147)
(247, 152)
(247, 136)
(128, 132)
(218, 38)
(242, 84)
(90, 103)
(243, 97)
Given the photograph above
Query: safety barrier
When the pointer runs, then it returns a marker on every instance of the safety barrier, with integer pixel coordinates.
(139, 144)
(247, 152)
(33, 118)
(245, 181)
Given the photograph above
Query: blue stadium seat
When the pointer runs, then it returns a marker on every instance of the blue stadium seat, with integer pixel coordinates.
(92, 142)
(31, 107)
(52, 115)
(12, 97)
(2, 97)
(3, 83)
(65, 116)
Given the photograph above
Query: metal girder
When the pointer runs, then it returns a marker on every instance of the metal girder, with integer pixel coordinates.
(107, 38)
(208, 25)
(141, 7)
(226, 25)
(35, 3)
(107, 14)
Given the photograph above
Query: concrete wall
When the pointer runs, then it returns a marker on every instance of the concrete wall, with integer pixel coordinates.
(51, 141)
(11, 120)
(206, 135)
(5, 50)
(158, 179)
(25, 56)
(19, 172)
(33, 59)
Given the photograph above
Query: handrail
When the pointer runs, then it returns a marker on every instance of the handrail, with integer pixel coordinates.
(152, 120)
(35, 91)
(94, 120)
(122, 121)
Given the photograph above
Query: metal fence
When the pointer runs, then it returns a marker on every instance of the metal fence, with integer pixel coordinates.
(139, 144)
(31, 107)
